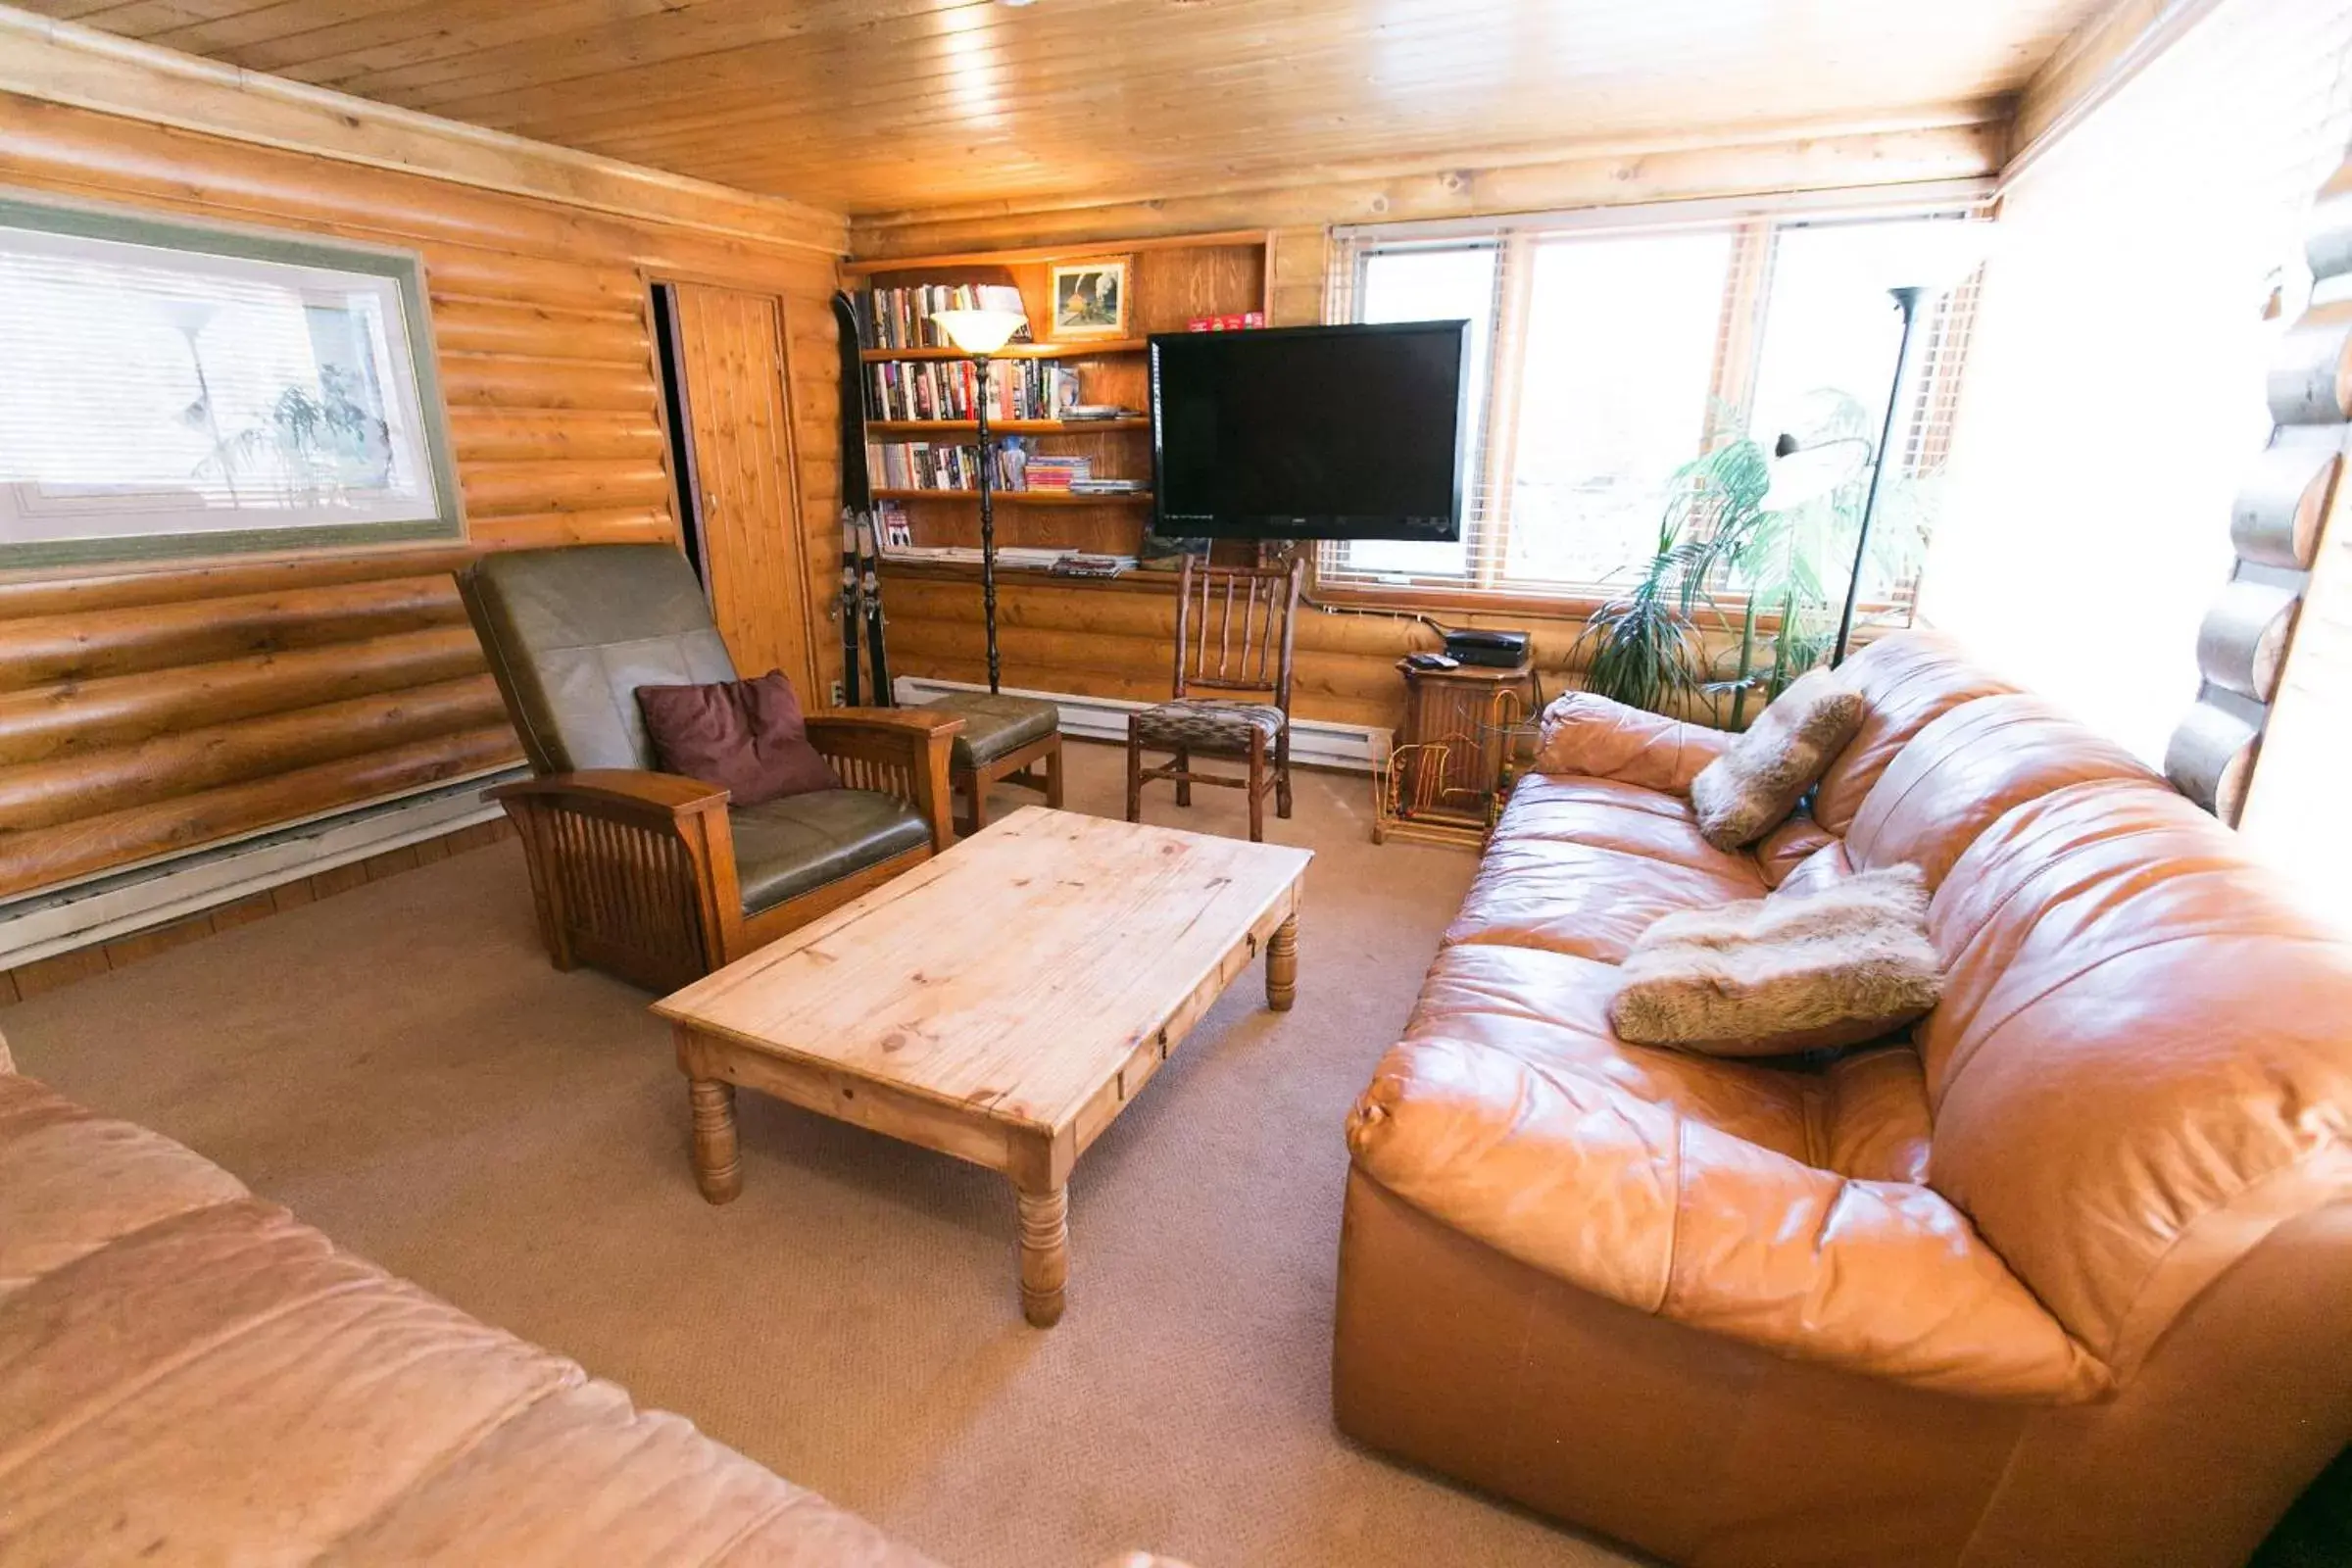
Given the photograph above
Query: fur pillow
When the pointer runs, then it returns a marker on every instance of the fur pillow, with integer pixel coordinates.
(1784, 973)
(1752, 787)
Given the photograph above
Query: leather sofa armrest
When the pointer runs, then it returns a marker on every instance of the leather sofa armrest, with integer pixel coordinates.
(1628, 1200)
(1598, 737)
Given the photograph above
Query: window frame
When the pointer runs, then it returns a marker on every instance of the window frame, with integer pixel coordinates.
(413, 359)
(1753, 224)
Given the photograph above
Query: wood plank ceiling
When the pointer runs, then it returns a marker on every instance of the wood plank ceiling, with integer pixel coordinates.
(873, 105)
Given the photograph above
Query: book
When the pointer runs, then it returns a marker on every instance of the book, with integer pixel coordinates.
(949, 390)
(901, 317)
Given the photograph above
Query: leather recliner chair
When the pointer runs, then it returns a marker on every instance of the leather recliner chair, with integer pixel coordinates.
(652, 877)
(2060, 1280)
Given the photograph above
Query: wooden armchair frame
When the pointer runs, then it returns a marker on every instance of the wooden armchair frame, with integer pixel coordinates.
(633, 872)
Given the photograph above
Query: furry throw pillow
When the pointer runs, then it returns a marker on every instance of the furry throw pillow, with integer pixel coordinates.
(1784, 973)
(1752, 787)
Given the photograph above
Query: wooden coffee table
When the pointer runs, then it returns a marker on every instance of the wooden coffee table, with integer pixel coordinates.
(1002, 1003)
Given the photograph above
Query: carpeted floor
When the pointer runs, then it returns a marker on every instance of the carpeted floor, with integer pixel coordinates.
(402, 1067)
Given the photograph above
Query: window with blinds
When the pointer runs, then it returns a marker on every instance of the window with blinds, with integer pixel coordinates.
(152, 393)
(1605, 357)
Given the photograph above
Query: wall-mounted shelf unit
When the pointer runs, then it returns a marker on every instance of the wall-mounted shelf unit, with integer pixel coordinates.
(1169, 283)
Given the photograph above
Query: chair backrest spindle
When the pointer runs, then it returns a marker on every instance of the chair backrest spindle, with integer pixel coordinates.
(1263, 601)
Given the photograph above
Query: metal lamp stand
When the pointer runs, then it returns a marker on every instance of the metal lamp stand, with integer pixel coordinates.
(988, 527)
(1907, 300)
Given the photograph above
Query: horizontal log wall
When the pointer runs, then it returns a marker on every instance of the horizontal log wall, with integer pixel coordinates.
(143, 713)
(1118, 640)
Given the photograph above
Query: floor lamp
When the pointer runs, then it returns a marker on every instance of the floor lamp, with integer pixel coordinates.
(1931, 258)
(1906, 299)
(979, 334)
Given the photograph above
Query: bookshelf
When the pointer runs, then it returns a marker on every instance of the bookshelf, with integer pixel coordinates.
(1169, 283)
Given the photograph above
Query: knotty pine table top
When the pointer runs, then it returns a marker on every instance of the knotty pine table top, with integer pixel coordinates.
(1014, 975)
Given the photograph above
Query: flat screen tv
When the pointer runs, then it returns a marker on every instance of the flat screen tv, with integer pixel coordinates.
(1310, 432)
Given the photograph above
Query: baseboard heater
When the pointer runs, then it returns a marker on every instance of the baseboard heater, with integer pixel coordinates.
(54, 920)
(1314, 742)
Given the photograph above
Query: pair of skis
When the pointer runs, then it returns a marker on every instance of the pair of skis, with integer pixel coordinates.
(860, 557)
(862, 604)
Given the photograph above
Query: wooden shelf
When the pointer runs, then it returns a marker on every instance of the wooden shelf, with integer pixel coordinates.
(1023, 497)
(1082, 348)
(1133, 580)
(1003, 426)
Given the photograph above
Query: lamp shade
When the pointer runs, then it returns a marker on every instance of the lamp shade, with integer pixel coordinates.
(1805, 473)
(980, 331)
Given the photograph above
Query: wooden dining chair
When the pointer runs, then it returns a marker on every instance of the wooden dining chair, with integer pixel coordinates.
(1233, 635)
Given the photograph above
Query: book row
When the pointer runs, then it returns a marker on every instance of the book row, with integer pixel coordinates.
(949, 390)
(901, 317)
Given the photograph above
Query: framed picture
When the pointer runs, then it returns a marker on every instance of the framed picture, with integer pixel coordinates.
(1090, 298)
(180, 389)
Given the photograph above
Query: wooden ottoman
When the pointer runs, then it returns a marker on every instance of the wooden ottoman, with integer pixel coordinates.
(1003, 738)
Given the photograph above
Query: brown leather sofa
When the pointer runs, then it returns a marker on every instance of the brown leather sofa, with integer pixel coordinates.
(188, 1375)
(2063, 1279)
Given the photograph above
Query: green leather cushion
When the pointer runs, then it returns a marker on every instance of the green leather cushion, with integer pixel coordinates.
(994, 724)
(788, 847)
(571, 633)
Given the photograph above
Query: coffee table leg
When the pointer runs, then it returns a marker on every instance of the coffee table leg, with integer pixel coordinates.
(717, 1170)
(1045, 1254)
(1282, 965)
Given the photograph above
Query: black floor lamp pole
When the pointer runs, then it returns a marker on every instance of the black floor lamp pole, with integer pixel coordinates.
(988, 530)
(1907, 300)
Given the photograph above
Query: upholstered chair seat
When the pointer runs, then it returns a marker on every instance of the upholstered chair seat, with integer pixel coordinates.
(796, 845)
(1201, 724)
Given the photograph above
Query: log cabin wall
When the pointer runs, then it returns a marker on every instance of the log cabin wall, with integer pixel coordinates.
(1114, 639)
(148, 712)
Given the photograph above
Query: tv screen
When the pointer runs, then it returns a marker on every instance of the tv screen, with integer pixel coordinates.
(1310, 432)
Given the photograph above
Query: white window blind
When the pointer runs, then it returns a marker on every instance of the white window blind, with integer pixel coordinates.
(1610, 352)
(2115, 395)
(148, 391)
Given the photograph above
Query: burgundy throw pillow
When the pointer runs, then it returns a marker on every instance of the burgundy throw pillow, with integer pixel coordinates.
(747, 735)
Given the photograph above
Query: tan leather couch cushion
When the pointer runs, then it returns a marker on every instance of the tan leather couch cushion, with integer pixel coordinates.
(2142, 1060)
(1580, 898)
(1966, 768)
(1906, 682)
(71, 1181)
(1625, 818)
(189, 1374)
(1598, 737)
(1789, 846)
(1634, 1200)
(1585, 865)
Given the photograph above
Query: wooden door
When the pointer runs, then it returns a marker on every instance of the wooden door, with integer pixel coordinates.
(741, 483)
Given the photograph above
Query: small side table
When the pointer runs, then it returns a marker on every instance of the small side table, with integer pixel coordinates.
(1445, 777)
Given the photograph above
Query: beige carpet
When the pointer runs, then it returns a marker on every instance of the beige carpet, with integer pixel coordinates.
(402, 1067)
